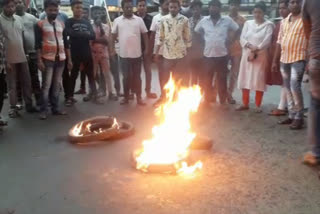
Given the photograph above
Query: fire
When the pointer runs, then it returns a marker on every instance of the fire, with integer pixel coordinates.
(78, 129)
(173, 136)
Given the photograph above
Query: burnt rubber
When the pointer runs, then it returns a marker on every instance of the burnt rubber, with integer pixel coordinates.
(125, 130)
(102, 122)
(201, 143)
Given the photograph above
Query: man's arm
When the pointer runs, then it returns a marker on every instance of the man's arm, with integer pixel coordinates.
(67, 50)
(146, 43)
(38, 46)
(306, 20)
(187, 34)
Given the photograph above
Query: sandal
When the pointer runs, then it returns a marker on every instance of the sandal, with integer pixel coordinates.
(242, 108)
(13, 113)
(3, 123)
(277, 112)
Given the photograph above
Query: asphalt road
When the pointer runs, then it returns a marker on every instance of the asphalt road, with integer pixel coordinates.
(253, 168)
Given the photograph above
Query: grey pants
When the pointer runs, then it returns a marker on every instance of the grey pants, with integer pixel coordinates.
(19, 71)
(292, 75)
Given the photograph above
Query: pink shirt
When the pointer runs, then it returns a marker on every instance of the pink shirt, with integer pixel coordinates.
(98, 48)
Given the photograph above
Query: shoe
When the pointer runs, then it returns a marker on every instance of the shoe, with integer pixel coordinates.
(19, 106)
(231, 101)
(87, 98)
(125, 101)
(32, 110)
(151, 95)
(13, 113)
(159, 102)
(258, 110)
(68, 102)
(120, 94)
(57, 113)
(287, 121)
(80, 91)
(277, 112)
(101, 94)
(43, 116)
(242, 108)
(73, 100)
(140, 102)
(310, 159)
(297, 124)
(3, 122)
(113, 97)
(98, 101)
(5, 96)
(131, 96)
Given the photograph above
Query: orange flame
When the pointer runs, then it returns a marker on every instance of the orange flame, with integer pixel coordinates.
(172, 137)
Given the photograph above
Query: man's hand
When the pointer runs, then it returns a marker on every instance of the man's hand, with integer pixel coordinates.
(41, 65)
(156, 58)
(146, 53)
(70, 65)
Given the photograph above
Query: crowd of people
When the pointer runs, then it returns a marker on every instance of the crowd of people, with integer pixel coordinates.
(216, 52)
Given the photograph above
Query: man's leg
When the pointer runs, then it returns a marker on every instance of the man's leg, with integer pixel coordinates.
(33, 69)
(74, 74)
(222, 72)
(12, 90)
(286, 76)
(83, 80)
(114, 66)
(148, 74)
(25, 80)
(136, 79)
(2, 89)
(46, 85)
(105, 70)
(89, 70)
(209, 73)
(235, 65)
(161, 76)
(283, 99)
(66, 82)
(124, 62)
(297, 71)
(56, 82)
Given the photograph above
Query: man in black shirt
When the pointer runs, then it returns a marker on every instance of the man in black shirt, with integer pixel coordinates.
(142, 12)
(80, 32)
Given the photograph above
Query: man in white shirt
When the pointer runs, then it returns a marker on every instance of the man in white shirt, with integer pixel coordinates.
(129, 29)
(154, 37)
(29, 22)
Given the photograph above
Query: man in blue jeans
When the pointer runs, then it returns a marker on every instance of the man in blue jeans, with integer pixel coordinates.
(53, 50)
(311, 21)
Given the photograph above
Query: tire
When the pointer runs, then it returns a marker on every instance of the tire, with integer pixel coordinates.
(126, 130)
(201, 143)
(153, 168)
(96, 123)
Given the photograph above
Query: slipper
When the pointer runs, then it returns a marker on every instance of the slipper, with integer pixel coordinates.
(277, 112)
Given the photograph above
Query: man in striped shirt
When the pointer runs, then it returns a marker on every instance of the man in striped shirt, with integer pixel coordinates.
(293, 61)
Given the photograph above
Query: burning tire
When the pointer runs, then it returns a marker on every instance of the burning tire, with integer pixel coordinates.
(201, 143)
(126, 129)
(93, 129)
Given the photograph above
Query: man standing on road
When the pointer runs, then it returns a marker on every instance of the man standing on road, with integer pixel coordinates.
(29, 22)
(13, 30)
(81, 33)
(147, 19)
(293, 62)
(216, 30)
(129, 28)
(311, 21)
(154, 37)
